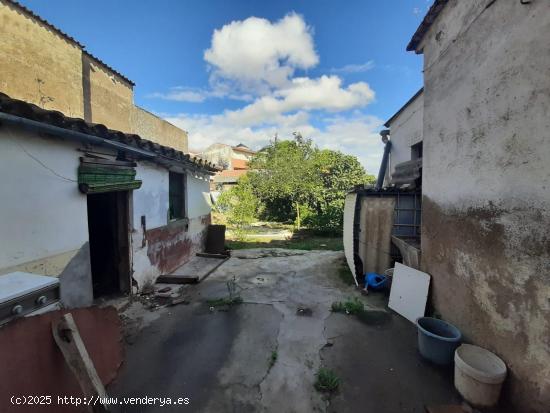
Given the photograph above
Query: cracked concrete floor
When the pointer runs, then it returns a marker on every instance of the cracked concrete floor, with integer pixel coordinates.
(221, 358)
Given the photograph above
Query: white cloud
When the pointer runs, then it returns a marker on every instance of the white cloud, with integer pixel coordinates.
(324, 93)
(354, 68)
(257, 55)
(196, 95)
(256, 60)
(356, 135)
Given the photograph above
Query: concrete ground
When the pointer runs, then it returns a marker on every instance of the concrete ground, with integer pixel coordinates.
(221, 358)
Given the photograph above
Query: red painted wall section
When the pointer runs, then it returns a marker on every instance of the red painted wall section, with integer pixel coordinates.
(31, 360)
(173, 245)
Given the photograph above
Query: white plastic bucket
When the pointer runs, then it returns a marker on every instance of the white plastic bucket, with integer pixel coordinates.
(479, 375)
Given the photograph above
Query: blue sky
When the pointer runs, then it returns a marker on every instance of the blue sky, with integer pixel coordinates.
(241, 71)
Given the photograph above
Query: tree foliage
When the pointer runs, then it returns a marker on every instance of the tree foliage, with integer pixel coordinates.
(294, 180)
(240, 204)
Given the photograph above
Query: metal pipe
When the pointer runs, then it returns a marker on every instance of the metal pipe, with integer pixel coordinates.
(35, 126)
(384, 164)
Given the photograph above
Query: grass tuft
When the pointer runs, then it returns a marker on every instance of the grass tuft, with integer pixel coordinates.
(273, 358)
(327, 381)
(351, 306)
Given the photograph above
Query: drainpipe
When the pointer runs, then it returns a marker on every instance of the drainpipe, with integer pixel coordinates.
(385, 134)
(40, 127)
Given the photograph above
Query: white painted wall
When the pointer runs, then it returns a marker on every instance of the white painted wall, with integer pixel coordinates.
(406, 130)
(151, 199)
(198, 196)
(41, 214)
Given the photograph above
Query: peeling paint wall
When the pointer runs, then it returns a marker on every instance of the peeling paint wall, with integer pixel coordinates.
(486, 181)
(162, 246)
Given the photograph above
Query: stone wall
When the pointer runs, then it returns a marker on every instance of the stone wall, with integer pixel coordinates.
(486, 180)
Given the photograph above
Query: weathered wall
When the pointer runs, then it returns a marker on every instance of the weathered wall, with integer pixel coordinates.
(43, 215)
(406, 130)
(486, 180)
(110, 97)
(375, 227)
(152, 127)
(162, 246)
(41, 66)
(218, 153)
(38, 65)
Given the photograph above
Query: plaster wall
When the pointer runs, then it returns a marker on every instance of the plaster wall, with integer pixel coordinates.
(149, 126)
(38, 65)
(110, 98)
(38, 223)
(406, 130)
(486, 180)
(198, 190)
(44, 216)
(163, 246)
(240, 155)
(220, 154)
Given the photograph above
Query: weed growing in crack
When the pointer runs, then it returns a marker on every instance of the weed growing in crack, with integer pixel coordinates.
(326, 381)
(353, 306)
(273, 358)
(232, 299)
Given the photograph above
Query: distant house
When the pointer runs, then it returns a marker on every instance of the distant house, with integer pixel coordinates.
(95, 191)
(405, 158)
(471, 152)
(234, 161)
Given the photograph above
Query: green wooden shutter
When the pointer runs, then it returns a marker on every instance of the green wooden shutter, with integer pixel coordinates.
(94, 178)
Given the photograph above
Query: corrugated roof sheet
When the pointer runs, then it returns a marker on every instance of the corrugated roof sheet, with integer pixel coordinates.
(30, 111)
(70, 39)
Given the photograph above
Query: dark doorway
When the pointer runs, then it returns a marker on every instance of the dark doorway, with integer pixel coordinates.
(109, 243)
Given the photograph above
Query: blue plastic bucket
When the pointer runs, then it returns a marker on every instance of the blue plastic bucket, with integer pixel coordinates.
(437, 340)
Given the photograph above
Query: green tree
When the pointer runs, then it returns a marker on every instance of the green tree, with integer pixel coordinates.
(239, 203)
(337, 174)
(283, 171)
(294, 175)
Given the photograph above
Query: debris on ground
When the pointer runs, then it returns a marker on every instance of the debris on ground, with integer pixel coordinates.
(304, 311)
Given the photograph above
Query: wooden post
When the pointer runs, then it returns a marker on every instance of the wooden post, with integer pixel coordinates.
(66, 335)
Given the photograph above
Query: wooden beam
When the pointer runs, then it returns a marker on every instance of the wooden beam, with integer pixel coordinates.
(66, 335)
